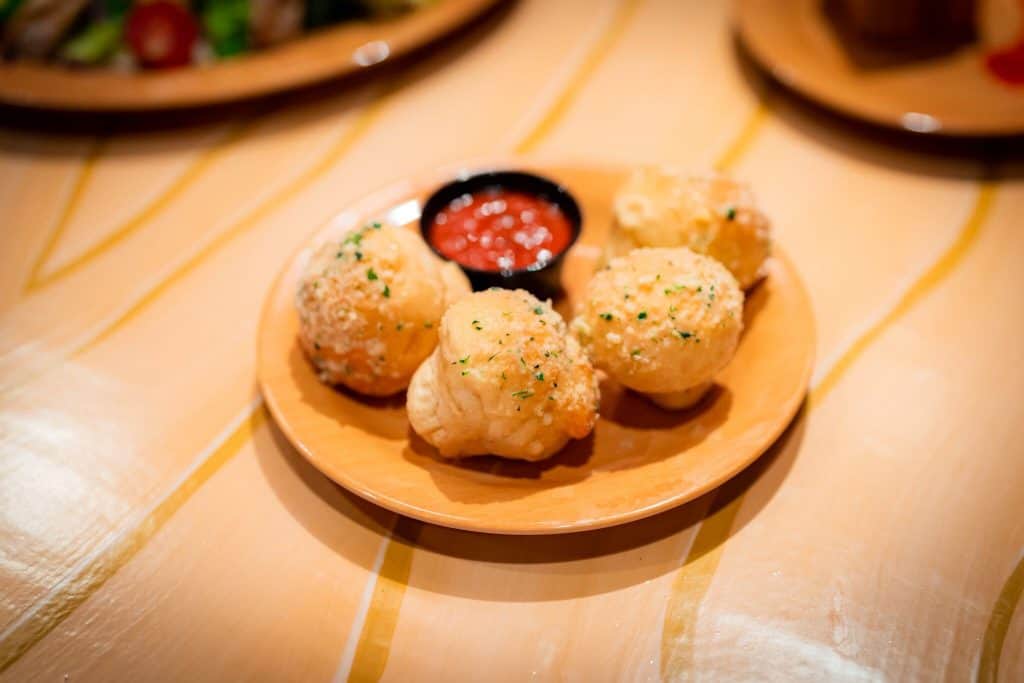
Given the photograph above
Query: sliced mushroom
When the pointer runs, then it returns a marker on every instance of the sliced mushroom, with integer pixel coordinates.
(37, 27)
(274, 21)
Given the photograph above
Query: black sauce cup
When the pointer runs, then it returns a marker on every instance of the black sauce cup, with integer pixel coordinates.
(542, 279)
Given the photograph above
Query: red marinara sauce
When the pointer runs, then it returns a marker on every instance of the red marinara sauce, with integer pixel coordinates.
(500, 230)
(1008, 65)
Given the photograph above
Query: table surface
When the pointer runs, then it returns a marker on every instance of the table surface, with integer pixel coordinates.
(154, 523)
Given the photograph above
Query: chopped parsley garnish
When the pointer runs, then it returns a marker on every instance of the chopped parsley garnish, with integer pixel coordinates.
(355, 238)
(606, 316)
(359, 256)
(428, 324)
(522, 394)
(476, 325)
(371, 275)
(540, 376)
(375, 225)
(642, 315)
(635, 352)
(493, 357)
(699, 288)
(730, 213)
(465, 372)
(684, 335)
(464, 360)
(538, 310)
(387, 292)
(674, 288)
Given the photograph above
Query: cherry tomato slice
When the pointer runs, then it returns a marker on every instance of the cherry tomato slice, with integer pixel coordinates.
(161, 34)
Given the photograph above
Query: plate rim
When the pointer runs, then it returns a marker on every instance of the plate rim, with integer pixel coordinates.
(397, 189)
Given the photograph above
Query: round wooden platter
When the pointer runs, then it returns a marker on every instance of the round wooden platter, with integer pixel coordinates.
(337, 51)
(640, 460)
(951, 95)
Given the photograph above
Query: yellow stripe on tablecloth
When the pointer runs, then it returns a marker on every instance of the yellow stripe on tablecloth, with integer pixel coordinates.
(56, 607)
(71, 205)
(37, 280)
(612, 34)
(689, 586)
(334, 153)
(694, 579)
(742, 142)
(371, 656)
(938, 272)
(999, 624)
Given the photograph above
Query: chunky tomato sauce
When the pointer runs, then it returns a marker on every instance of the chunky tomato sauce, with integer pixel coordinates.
(497, 230)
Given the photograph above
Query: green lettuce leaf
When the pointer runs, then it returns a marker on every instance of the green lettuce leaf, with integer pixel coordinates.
(226, 24)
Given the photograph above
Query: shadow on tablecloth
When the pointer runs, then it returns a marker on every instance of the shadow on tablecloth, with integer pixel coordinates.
(572, 565)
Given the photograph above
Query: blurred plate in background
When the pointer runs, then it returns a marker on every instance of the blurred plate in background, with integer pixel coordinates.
(344, 49)
(952, 95)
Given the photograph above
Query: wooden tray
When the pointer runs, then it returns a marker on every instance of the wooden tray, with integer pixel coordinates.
(951, 95)
(333, 52)
(639, 461)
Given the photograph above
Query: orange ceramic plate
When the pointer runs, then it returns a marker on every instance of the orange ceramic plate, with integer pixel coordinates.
(332, 52)
(639, 461)
(952, 95)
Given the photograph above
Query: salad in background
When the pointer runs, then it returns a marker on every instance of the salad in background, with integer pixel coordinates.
(159, 34)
